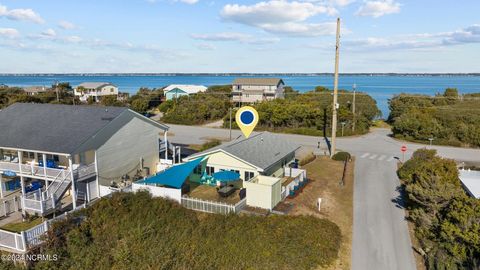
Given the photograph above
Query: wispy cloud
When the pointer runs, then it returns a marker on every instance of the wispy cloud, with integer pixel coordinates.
(341, 3)
(234, 36)
(467, 35)
(206, 46)
(378, 8)
(190, 2)
(10, 33)
(21, 14)
(49, 33)
(66, 25)
(281, 16)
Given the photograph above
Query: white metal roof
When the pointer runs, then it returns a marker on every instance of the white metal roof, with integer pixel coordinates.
(471, 181)
(94, 85)
(187, 88)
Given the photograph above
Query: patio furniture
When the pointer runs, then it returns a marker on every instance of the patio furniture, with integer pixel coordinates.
(226, 191)
(33, 186)
(242, 193)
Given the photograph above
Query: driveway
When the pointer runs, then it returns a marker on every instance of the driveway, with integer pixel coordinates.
(380, 234)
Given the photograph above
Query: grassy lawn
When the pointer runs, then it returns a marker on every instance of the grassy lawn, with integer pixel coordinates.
(337, 201)
(380, 124)
(22, 226)
(205, 146)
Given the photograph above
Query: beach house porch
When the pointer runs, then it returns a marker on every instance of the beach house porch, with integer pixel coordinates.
(42, 178)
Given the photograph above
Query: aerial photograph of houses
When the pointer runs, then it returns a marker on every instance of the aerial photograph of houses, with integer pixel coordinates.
(255, 134)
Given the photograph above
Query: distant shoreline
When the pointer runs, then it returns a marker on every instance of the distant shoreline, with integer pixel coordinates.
(242, 74)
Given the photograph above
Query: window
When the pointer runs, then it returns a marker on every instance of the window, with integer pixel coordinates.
(249, 175)
(82, 158)
(210, 170)
(53, 157)
(198, 169)
(236, 171)
(28, 155)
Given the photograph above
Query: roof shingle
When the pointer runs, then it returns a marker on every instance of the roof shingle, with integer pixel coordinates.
(257, 81)
(52, 127)
(262, 150)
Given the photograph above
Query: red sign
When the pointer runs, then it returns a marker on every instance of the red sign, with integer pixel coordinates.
(403, 149)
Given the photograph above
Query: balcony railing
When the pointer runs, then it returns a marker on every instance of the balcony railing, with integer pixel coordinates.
(31, 170)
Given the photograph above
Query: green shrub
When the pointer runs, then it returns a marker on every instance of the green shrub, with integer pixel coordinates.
(342, 156)
(307, 159)
(447, 118)
(445, 218)
(135, 231)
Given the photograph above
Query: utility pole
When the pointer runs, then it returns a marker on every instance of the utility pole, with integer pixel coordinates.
(335, 94)
(353, 106)
(230, 111)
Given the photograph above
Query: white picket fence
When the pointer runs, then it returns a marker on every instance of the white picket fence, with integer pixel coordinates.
(34, 235)
(21, 242)
(10, 206)
(14, 241)
(211, 206)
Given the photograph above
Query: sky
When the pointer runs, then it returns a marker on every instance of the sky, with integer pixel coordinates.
(270, 36)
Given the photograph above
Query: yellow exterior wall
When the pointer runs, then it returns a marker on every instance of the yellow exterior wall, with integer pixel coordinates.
(220, 160)
(264, 195)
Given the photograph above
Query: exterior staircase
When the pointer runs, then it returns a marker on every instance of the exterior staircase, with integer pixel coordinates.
(47, 201)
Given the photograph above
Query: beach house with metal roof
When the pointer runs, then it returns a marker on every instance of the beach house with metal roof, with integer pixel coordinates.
(251, 90)
(35, 90)
(177, 90)
(264, 153)
(85, 151)
(96, 90)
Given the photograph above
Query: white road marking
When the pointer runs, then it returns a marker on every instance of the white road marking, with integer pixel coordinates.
(390, 159)
(382, 157)
(365, 155)
(373, 157)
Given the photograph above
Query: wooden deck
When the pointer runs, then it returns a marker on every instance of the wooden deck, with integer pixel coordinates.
(209, 193)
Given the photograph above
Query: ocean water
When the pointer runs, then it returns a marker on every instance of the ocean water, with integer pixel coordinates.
(380, 87)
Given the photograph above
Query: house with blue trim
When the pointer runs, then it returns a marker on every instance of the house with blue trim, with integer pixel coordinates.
(177, 90)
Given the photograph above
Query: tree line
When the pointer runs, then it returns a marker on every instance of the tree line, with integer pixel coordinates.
(307, 113)
(141, 102)
(302, 113)
(448, 118)
(447, 221)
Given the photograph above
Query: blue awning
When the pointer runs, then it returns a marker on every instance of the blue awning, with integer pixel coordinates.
(226, 176)
(174, 176)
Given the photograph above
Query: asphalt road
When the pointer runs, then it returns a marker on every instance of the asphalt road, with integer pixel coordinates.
(380, 234)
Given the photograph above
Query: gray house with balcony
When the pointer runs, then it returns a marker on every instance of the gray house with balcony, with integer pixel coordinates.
(79, 152)
(251, 90)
